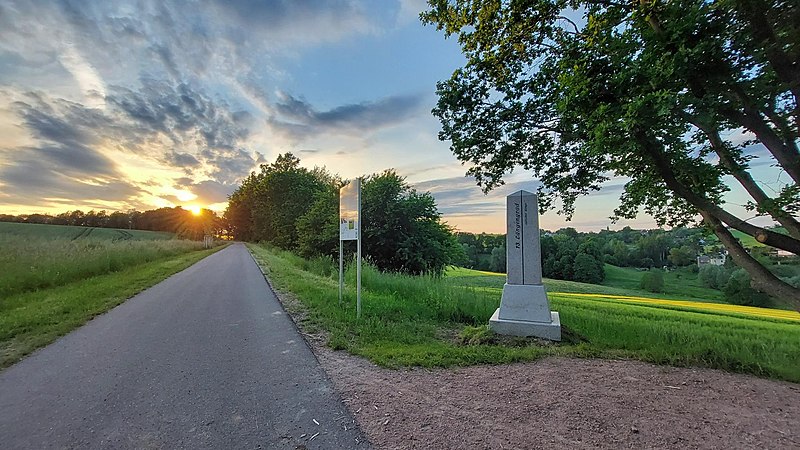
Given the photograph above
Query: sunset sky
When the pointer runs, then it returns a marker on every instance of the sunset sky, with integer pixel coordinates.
(142, 104)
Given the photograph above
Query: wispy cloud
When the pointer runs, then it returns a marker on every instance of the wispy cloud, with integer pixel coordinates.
(298, 118)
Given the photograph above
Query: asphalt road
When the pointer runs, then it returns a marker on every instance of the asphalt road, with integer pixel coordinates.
(206, 359)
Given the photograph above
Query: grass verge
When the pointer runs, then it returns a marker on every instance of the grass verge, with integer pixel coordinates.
(419, 321)
(32, 320)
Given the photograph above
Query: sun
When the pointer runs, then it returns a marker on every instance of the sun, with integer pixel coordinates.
(196, 210)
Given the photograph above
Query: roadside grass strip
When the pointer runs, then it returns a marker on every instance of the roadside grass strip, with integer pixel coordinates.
(723, 308)
(441, 322)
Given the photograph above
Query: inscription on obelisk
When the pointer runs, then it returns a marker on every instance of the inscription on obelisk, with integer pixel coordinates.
(523, 247)
(524, 309)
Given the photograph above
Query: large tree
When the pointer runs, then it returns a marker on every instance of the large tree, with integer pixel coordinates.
(403, 230)
(659, 92)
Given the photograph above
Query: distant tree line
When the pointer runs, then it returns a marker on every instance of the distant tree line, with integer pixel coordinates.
(183, 223)
(571, 255)
(297, 209)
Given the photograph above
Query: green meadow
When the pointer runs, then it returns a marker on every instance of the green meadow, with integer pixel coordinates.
(38, 256)
(424, 321)
(37, 230)
(54, 278)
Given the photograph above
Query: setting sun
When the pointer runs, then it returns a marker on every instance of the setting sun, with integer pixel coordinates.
(194, 209)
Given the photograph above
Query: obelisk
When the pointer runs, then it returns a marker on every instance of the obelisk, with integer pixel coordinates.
(524, 309)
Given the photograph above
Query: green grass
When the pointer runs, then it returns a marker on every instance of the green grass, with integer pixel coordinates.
(70, 232)
(31, 320)
(678, 284)
(421, 321)
(49, 260)
(619, 281)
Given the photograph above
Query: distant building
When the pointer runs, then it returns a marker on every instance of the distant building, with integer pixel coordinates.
(784, 254)
(713, 260)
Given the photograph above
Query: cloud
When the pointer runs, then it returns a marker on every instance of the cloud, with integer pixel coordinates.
(37, 182)
(85, 75)
(208, 192)
(297, 21)
(181, 112)
(297, 118)
(460, 196)
(184, 160)
(167, 124)
(410, 10)
(63, 147)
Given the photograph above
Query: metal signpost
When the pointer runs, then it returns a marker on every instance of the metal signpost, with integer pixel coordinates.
(349, 230)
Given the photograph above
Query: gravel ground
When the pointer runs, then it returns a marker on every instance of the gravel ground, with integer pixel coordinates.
(565, 403)
(562, 403)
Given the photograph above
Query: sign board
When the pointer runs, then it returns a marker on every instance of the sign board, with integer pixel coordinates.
(349, 230)
(348, 211)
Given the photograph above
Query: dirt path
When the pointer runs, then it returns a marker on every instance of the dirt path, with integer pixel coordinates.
(561, 403)
(565, 403)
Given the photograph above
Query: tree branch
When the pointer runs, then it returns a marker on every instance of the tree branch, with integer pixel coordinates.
(744, 178)
(762, 279)
(653, 148)
(754, 13)
(786, 156)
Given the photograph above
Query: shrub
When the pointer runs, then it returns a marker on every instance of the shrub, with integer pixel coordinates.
(739, 292)
(588, 269)
(653, 281)
(715, 277)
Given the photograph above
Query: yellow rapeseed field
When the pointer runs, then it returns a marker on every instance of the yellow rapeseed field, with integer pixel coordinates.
(683, 304)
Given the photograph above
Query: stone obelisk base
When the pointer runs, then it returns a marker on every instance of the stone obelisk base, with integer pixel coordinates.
(525, 311)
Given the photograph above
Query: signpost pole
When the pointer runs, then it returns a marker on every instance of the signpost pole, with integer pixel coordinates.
(341, 271)
(358, 244)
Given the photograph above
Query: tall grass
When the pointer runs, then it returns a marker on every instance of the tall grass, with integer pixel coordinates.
(36, 262)
(417, 321)
(77, 232)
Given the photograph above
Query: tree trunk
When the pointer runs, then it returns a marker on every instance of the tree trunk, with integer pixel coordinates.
(664, 168)
(787, 157)
(763, 279)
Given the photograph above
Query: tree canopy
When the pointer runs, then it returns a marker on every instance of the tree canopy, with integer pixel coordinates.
(657, 92)
(297, 209)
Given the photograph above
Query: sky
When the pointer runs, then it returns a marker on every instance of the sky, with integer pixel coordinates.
(119, 105)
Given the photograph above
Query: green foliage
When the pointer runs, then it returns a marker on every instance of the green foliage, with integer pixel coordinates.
(427, 321)
(498, 259)
(282, 196)
(402, 229)
(682, 256)
(297, 209)
(738, 291)
(652, 281)
(642, 90)
(478, 250)
(588, 269)
(715, 277)
(318, 228)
